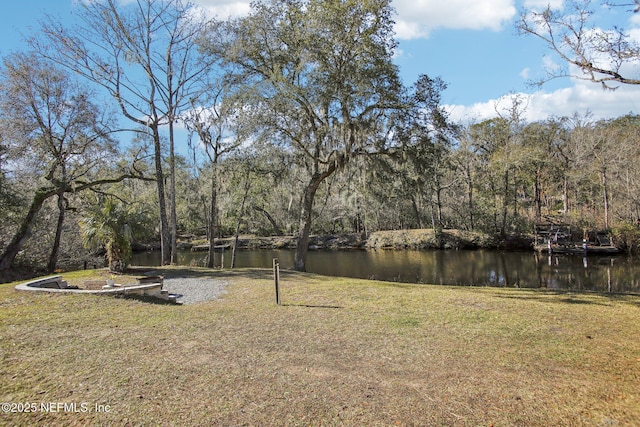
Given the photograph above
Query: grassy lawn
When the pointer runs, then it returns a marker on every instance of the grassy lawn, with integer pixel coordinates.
(337, 352)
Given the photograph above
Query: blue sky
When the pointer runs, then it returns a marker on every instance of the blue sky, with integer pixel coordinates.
(471, 44)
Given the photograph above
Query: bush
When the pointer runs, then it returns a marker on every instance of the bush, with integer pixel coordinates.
(627, 237)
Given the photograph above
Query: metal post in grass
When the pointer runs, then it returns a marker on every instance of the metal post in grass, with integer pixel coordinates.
(276, 278)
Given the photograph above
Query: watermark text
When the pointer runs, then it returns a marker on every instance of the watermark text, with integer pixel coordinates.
(54, 407)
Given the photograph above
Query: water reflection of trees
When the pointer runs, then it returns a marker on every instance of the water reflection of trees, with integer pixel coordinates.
(609, 274)
(463, 268)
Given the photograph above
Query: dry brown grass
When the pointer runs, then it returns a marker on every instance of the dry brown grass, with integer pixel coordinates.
(338, 352)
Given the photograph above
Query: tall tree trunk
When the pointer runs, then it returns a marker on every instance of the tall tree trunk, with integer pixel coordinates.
(495, 202)
(439, 205)
(565, 195)
(515, 195)
(276, 228)
(416, 211)
(505, 204)
(213, 217)
(605, 194)
(53, 257)
(24, 231)
(359, 217)
(629, 197)
(470, 200)
(302, 247)
(434, 226)
(165, 235)
(172, 196)
(537, 196)
(247, 186)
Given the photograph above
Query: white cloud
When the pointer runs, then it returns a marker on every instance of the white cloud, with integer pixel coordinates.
(398, 53)
(410, 30)
(550, 65)
(417, 18)
(634, 31)
(224, 9)
(582, 97)
(539, 5)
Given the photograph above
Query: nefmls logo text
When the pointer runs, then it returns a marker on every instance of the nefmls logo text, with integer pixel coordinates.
(64, 407)
(73, 407)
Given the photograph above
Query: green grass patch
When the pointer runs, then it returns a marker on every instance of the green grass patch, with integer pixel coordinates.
(426, 239)
(337, 352)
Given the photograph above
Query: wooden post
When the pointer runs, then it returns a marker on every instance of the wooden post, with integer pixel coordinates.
(276, 278)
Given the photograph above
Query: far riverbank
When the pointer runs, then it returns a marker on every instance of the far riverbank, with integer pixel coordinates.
(388, 239)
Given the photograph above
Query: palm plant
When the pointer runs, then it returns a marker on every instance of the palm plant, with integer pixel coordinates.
(106, 224)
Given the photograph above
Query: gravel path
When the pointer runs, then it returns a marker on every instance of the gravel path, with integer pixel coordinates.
(195, 289)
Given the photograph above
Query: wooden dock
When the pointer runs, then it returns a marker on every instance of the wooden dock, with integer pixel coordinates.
(576, 249)
(558, 238)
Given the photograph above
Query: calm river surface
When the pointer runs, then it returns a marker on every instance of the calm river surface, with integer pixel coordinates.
(466, 268)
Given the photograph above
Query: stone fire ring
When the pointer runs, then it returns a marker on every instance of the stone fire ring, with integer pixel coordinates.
(55, 284)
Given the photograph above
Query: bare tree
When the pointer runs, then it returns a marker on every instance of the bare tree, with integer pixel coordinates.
(211, 122)
(52, 128)
(604, 56)
(185, 71)
(143, 54)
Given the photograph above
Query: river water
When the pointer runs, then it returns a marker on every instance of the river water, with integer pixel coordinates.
(465, 268)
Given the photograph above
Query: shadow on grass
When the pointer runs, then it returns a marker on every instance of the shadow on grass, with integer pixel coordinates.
(177, 272)
(576, 297)
(312, 306)
(147, 299)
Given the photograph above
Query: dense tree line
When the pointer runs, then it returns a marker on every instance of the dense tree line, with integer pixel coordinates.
(293, 120)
